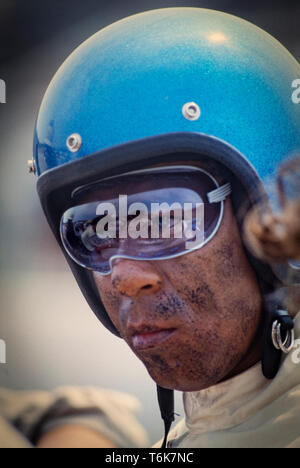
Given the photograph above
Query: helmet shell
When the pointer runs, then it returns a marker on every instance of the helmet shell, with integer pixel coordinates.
(123, 92)
(131, 80)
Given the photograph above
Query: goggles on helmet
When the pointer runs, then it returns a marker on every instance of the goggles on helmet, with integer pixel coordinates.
(151, 214)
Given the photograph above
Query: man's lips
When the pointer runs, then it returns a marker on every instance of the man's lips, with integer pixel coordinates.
(151, 339)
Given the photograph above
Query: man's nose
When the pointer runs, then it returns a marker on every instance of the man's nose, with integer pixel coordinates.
(133, 277)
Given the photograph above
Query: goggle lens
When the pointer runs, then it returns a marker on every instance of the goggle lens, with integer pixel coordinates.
(146, 215)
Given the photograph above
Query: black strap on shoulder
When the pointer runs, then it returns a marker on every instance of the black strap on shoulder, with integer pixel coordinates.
(166, 405)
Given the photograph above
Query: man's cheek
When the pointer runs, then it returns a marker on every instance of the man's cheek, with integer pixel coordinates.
(109, 298)
(201, 296)
(112, 305)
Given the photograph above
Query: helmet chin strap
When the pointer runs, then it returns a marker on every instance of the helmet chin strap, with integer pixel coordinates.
(166, 405)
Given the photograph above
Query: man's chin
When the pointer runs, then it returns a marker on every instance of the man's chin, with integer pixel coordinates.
(172, 383)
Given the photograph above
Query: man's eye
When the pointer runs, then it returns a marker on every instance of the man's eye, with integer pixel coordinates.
(78, 227)
(105, 244)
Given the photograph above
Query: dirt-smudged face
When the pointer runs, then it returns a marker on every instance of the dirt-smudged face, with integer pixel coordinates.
(193, 319)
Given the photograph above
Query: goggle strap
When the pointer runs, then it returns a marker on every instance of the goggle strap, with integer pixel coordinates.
(219, 194)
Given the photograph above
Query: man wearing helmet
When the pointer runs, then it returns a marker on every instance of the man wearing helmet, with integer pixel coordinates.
(180, 106)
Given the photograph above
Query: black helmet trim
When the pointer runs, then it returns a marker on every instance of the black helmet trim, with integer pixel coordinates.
(56, 186)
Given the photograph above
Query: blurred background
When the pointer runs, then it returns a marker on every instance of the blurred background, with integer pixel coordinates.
(51, 335)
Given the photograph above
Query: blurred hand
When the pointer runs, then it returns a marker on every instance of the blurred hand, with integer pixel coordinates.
(74, 436)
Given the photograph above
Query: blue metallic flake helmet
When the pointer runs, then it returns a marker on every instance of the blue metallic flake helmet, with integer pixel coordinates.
(175, 84)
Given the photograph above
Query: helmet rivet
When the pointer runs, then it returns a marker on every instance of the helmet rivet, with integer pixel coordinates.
(31, 166)
(74, 142)
(191, 111)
